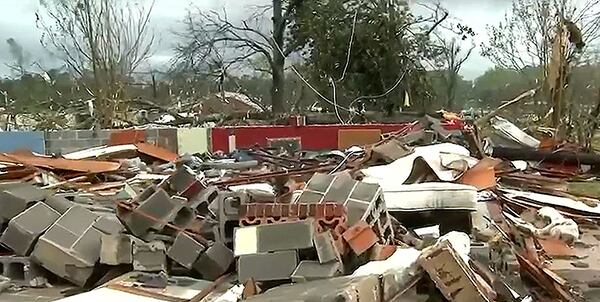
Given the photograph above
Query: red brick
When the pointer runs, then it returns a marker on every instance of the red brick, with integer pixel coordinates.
(360, 237)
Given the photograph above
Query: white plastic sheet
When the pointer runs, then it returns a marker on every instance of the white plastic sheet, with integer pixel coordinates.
(398, 263)
(512, 133)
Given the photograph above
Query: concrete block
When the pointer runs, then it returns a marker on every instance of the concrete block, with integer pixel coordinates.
(109, 224)
(309, 270)
(228, 214)
(149, 257)
(364, 201)
(84, 134)
(274, 237)
(127, 193)
(22, 271)
(117, 249)
(182, 179)
(267, 266)
(185, 250)
(160, 206)
(326, 248)
(71, 246)
(15, 200)
(184, 216)
(205, 198)
(24, 230)
(58, 203)
(145, 194)
(62, 135)
(51, 135)
(214, 262)
(97, 142)
(480, 251)
(78, 144)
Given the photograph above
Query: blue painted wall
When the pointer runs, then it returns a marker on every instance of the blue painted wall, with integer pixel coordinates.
(22, 140)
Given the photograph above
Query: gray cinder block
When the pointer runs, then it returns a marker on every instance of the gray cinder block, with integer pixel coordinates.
(24, 230)
(15, 200)
(274, 237)
(22, 271)
(71, 246)
(309, 270)
(160, 206)
(267, 266)
(149, 257)
(59, 203)
(109, 224)
(185, 250)
(326, 249)
(117, 249)
(214, 262)
(182, 179)
(84, 134)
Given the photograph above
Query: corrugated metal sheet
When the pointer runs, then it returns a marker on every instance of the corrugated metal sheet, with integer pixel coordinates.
(22, 140)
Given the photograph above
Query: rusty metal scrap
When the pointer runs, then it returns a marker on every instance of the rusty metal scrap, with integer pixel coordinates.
(156, 152)
(86, 166)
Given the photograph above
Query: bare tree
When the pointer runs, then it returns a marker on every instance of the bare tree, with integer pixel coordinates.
(212, 41)
(102, 42)
(453, 56)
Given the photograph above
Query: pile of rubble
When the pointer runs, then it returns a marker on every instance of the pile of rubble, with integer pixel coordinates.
(423, 215)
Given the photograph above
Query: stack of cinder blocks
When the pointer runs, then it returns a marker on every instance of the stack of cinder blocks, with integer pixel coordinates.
(169, 209)
(282, 251)
(368, 219)
(52, 233)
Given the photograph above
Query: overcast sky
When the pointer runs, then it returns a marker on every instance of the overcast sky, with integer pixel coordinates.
(18, 22)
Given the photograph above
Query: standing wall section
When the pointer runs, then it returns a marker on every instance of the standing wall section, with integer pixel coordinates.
(193, 140)
(312, 137)
(66, 141)
(11, 141)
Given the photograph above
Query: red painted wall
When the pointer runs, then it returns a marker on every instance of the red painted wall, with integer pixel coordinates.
(313, 137)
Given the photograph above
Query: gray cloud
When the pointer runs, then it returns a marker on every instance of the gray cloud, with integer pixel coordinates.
(18, 22)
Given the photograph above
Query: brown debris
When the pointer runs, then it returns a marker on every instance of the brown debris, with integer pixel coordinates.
(85, 166)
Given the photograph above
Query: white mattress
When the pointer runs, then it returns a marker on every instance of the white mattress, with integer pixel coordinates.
(430, 196)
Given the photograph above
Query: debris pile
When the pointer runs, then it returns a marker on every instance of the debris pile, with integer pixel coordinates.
(422, 214)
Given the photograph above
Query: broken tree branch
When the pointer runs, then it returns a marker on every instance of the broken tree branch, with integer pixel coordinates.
(530, 93)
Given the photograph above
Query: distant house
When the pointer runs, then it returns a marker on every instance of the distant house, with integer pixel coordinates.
(233, 103)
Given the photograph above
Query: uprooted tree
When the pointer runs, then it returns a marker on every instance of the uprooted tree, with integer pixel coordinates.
(552, 36)
(212, 43)
(102, 43)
